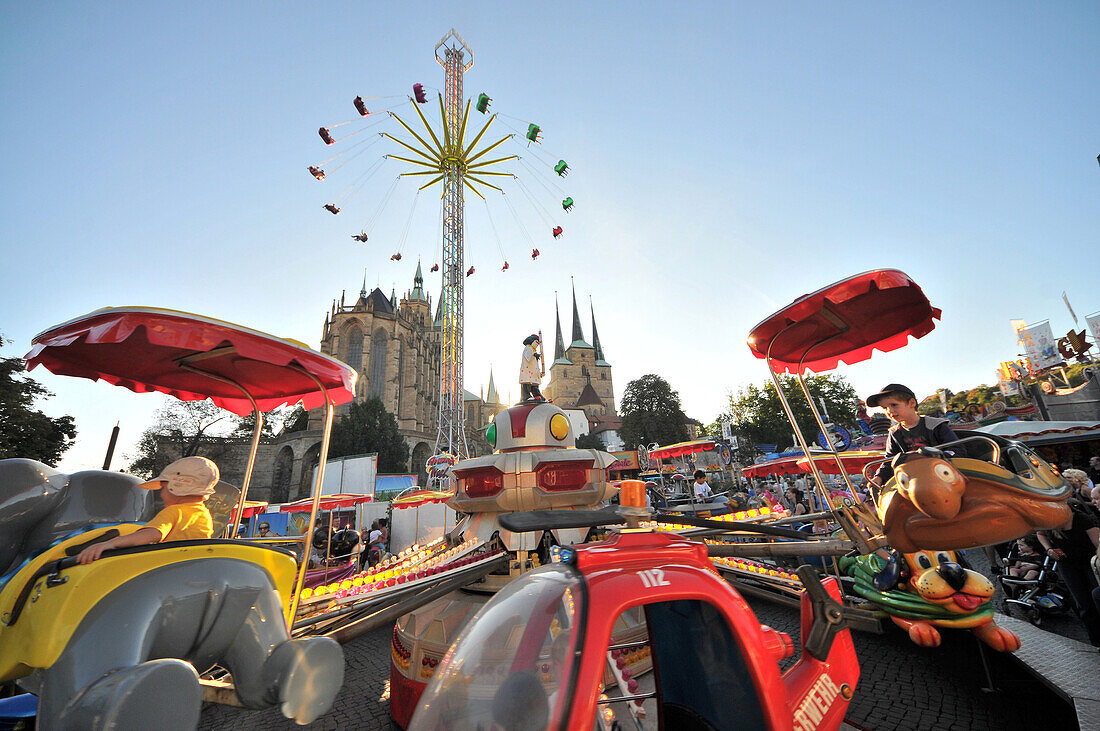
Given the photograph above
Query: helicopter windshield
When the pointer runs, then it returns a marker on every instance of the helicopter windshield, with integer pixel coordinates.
(514, 661)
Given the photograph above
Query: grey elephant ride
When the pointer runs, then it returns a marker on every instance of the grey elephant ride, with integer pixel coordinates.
(121, 642)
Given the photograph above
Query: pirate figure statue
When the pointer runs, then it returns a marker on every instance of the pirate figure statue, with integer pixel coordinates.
(531, 370)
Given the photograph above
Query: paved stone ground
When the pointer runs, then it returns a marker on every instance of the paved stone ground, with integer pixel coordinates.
(363, 701)
(901, 686)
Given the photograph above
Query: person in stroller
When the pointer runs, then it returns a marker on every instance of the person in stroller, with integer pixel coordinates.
(1025, 559)
(1030, 581)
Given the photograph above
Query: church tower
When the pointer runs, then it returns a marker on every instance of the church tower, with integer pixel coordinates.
(580, 376)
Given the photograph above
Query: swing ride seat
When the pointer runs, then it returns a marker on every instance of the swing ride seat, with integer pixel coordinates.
(360, 106)
(326, 136)
(136, 612)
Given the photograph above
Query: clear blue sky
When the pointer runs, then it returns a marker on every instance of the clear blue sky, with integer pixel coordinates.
(727, 158)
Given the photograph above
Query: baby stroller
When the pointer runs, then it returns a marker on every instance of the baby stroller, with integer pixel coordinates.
(1037, 597)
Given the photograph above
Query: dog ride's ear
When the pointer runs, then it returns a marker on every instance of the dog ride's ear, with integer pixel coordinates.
(932, 452)
(890, 574)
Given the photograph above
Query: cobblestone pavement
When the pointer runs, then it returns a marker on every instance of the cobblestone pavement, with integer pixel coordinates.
(901, 686)
(363, 702)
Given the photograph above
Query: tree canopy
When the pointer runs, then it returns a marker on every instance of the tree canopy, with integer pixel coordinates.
(651, 412)
(756, 413)
(180, 429)
(590, 441)
(368, 427)
(25, 431)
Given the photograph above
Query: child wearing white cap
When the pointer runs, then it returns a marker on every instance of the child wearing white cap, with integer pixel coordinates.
(185, 485)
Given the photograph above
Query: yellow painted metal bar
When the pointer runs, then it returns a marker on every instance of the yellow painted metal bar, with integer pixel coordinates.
(493, 162)
(490, 147)
(447, 146)
(438, 150)
(490, 172)
(433, 165)
(478, 192)
(462, 127)
(434, 160)
(482, 182)
(421, 172)
(429, 127)
(431, 182)
(478, 138)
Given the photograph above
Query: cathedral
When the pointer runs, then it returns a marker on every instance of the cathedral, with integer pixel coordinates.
(394, 346)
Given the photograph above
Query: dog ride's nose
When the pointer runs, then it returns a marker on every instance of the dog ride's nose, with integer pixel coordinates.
(953, 574)
(935, 497)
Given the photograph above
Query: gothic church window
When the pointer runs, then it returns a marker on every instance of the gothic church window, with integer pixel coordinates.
(354, 357)
(378, 345)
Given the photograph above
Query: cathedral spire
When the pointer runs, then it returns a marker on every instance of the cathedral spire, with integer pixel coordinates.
(596, 337)
(438, 321)
(491, 397)
(363, 290)
(559, 344)
(578, 334)
(417, 293)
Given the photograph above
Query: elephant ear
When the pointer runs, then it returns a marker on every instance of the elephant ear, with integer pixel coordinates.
(890, 574)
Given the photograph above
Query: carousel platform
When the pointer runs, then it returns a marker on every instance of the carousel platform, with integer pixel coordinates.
(1066, 666)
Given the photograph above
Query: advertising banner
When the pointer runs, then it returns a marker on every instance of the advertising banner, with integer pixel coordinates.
(624, 461)
(1009, 387)
(1093, 321)
(1039, 344)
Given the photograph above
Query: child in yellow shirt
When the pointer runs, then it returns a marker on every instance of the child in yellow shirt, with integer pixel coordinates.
(185, 485)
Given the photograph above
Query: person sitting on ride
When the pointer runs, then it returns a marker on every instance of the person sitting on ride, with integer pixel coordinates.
(265, 531)
(184, 487)
(702, 490)
(799, 506)
(910, 430)
(375, 546)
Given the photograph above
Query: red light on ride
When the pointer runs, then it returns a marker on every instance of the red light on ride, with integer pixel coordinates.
(484, 482)
(562, 476)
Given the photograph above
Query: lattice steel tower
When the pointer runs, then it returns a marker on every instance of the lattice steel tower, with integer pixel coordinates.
(451, 436)
(455, 165)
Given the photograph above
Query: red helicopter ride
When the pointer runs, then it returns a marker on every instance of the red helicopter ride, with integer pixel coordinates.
(540, 654)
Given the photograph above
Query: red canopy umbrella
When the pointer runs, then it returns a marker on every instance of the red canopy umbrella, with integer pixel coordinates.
(148, 349)
(328, 502)
(845, 321)
(252, 508)
(682, 448)
(853, 462)
(781, 466)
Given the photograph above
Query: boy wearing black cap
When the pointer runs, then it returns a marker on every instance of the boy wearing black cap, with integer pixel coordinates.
(910, 430)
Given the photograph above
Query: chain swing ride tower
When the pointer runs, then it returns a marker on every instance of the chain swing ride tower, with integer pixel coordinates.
(457, 166)
(451, 435)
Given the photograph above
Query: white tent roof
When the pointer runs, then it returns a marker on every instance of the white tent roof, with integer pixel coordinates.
(1043, 431)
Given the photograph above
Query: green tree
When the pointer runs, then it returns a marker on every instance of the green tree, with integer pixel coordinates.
(590, 441)
(368, 427)
(651, 412)
(180, 429)
(25, 431)
(757, 414)
(296, 420)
